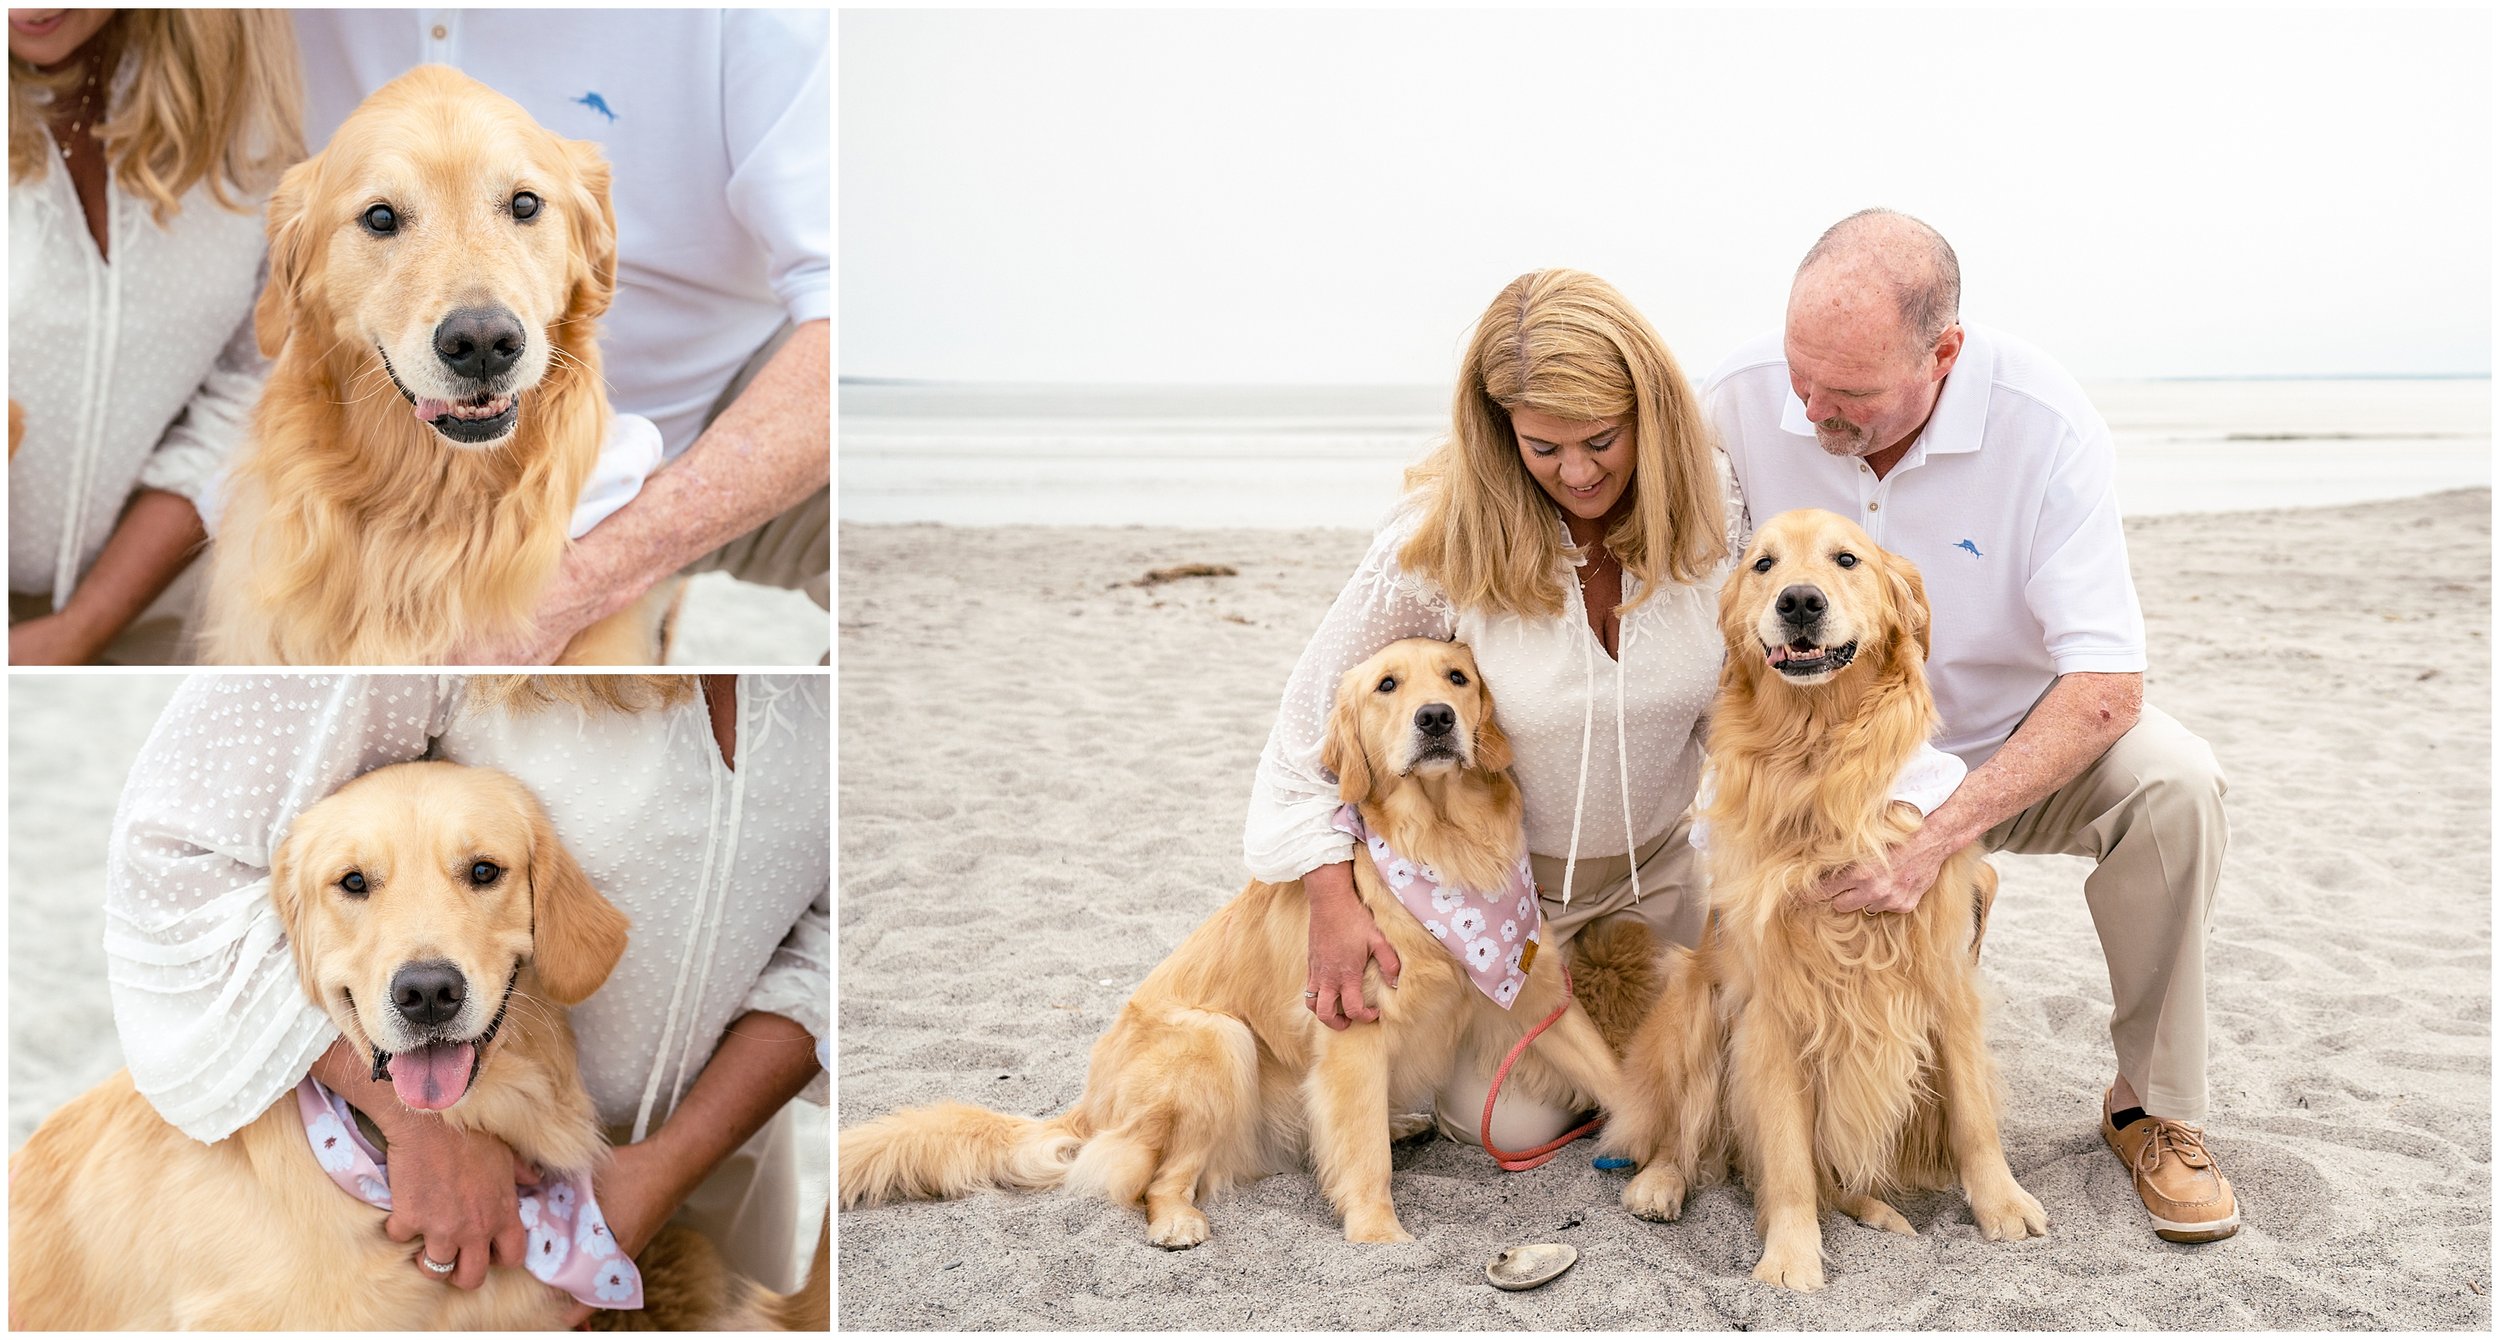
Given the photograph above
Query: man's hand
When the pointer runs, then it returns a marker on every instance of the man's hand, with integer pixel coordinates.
(1868, 887)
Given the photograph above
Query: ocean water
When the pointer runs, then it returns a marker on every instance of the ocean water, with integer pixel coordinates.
(1292, 456)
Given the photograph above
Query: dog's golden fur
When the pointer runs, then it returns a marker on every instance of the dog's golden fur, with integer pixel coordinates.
(120, 1221)
(353, 531)
(1216, 1071)
(1837, 1057)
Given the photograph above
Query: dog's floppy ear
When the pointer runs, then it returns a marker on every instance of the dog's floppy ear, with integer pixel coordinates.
(290, 246)
(1342, 751)
(1909, 596)
(287, 894)
(1492, 746)
(577, 936)
(593, 218)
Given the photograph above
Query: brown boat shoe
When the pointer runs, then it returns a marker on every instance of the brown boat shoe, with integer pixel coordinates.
(2189, 1198)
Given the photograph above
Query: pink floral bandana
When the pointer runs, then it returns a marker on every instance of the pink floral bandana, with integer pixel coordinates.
(569, 1243)
(1492, 933)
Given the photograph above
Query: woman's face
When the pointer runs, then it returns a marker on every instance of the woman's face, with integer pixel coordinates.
(46, 37)
(1583, 465)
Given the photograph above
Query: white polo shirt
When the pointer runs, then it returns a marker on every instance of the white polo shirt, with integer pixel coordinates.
(2005, 503)
(718, 125)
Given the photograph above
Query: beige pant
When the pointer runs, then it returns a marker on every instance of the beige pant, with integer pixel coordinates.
(1673, 904)
(2150, 814)
(748, 1208)
(794, 550)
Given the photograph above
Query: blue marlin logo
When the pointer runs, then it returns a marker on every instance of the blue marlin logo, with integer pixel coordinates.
(598, 104)
(1974, 549)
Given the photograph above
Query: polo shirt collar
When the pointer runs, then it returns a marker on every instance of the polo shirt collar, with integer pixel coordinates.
(1961, 408)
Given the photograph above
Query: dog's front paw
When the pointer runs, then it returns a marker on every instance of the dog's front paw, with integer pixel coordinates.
(1655, 1193)
(1376, 1226)
(1408, 1125)
(1178, 1229)
(1792, 1267)
(2009, 1215)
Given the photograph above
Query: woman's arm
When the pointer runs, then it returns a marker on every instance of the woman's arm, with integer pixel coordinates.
(762, 1062)
(158, 536)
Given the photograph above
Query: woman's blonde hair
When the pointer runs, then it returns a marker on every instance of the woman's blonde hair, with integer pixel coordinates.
(1563, 343)
(216, 95)
(585, 693)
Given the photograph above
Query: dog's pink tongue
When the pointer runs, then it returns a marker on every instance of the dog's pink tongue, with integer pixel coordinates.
(433, 1078)
(429, 410)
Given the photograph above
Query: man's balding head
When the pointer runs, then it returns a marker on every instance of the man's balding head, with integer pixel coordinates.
(1873, 329)
(1879, 254)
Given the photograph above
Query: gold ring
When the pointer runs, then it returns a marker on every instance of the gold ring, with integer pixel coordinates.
(1866, 911)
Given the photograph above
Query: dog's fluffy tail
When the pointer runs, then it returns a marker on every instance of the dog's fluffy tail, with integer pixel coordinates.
(947, 1149)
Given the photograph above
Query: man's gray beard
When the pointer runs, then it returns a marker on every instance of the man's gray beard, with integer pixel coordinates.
(1845, 441)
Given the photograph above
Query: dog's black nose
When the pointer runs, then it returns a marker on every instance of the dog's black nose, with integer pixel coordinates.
(1435, 718)
(1800, 605)
(479, 342)
(426, 994)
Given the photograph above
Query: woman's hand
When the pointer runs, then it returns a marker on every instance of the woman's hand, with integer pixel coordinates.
(52, 639)
(1344, 937)
(452, 1192)
(637, 1193)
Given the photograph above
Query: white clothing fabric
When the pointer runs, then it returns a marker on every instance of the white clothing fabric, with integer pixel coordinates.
(1607, 750)
(719, 127)
(141, 373)
(725, 873)
(1926, 781)
(2005, 503)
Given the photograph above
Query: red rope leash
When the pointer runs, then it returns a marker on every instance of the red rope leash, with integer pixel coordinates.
(1523, 1160)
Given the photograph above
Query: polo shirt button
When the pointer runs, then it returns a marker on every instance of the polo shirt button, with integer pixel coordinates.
(1874, 507)
(441, 32)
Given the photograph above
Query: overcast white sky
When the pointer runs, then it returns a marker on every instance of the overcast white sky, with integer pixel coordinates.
(1306, 196)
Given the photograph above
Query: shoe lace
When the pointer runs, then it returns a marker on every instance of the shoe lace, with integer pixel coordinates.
(2172, 1137)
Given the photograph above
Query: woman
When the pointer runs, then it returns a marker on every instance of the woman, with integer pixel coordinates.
(1574, 531)
(701, 813)
(142, 144)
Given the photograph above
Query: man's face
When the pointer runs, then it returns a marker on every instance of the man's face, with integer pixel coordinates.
(1867, 383)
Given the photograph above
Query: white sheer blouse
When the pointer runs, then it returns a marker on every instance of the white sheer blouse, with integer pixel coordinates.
(1608, 749)
(726, 874)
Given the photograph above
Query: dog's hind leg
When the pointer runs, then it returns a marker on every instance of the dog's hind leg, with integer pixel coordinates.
(1348, 1097)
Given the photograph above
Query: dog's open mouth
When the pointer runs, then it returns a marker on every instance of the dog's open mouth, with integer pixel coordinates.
(479, 419)
(1801, 658)
(483, 419)
(438, 1074)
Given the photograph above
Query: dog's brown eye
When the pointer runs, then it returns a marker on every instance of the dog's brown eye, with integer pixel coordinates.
(354, 882)
(1388, 683)
(381, 220)
(1846, 560)
(484, 873)
(525, 206)
(1762, 564)
(1459, 677)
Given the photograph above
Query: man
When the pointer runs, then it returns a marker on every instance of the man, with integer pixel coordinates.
(1976, 457)
(718, 349)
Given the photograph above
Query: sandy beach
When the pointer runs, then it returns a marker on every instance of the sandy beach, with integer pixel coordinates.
(1043, 772)
(71, 741)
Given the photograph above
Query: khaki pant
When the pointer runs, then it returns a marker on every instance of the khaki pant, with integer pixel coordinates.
(793, 551)
(2150, 814)
(748, 1208)
(1673, 904)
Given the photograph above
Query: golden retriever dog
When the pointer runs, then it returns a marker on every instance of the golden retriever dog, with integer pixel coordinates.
(1216, 1071)
(1842, 1056)
(435, 404)
(436, 918)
